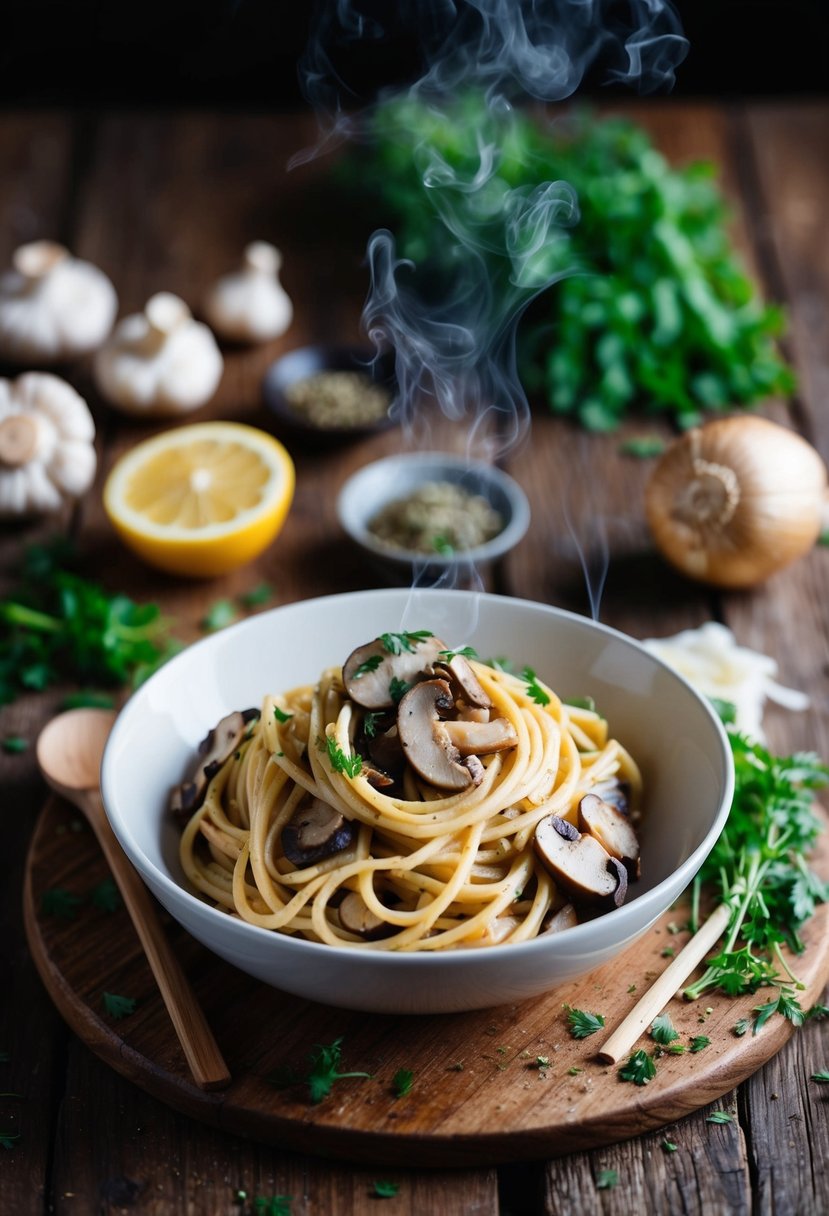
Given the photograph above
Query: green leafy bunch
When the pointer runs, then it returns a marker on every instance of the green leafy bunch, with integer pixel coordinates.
(759, 868)
(59, 625)
(653, 309)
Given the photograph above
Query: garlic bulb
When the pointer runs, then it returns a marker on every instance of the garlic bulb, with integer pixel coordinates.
(160, 362)
(734, 501)
(47, 449)
(250, 305)
(53, 306)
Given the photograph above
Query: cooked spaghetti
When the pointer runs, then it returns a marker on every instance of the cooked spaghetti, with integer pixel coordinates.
(408, 865)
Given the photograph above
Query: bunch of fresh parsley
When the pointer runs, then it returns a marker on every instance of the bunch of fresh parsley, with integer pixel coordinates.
(759, 868)
(59, 625)
(650, 306)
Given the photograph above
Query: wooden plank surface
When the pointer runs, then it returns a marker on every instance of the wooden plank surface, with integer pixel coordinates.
(167, 201)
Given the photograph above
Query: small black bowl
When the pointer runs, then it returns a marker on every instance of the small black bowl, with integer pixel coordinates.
(308, 361)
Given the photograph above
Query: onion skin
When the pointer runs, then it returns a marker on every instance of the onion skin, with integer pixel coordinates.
(734, 501)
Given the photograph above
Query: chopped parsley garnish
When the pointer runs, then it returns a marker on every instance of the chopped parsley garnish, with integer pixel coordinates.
(639, 1068)
(367, 666)
(219, 615)
(739, 1028)
(396, 643)
(402, 1082)
(663, 1030)
(257, 596)
(726, 710)
(324, 1071)
(57, 901)
(669, 1146)
(534, 690)
(785, 1003)
(581, 703)
(273, 1205)
(14, 744)
(340, 762)
(699, 1043)
(106, 896)
(281, 715)
(583, 1024)
(118, 1006)
(821, 1077)
(386, 1190)
(606, 1179)
(8, 1139)
(467, 652)
(370, 722)
(720, 1116)
(398, 689)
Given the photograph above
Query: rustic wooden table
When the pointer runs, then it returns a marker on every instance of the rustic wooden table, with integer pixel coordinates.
(167, 202)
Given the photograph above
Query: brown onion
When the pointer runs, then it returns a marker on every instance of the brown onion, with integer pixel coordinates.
(735, 500)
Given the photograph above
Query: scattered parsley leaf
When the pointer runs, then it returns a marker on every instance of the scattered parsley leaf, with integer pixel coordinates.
(87, 699)
(273, 1205)
(106, 896)
(14, 744)
(821, 1077)
(639, 1068)
(669, 1146)
(740, 1027)
(8, 1139)
(574, 1072)
(402, 1082)
(218, 615)
(542, 1061)
(668, 952)
(118, 1006)
(281, 715)
(57, 901)
(581, 703)
(817, 1011)
(534, 690)
(606, 1179)
(663, 1030)
(466, 652)
(4, 1057)
(726, 710)
(340, 762)
(631, 988)
(367, 666)
(324, 1071)
(256, 596)
(642, 446)
(386, 1190)
(582, 1024)
(699, 1043)
(370, 722)
(443, 546)
(720, 1116)
(673, 928)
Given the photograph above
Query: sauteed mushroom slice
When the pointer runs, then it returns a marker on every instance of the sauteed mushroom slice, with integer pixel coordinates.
(217, 747)
(356, 916)
(612, 829)
(580, 865)
(464, 683)
(482, 738)
(315, 831)
(423, 736)
(564, 918)
(369, 670)
(616, 792)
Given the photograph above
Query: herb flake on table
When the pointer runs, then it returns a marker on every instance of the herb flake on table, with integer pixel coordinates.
(324, 1070)
(14, 745)
(699, 1043)
(273, 1205)
(118, 1007)
(606, 1179)
(821, 1077)
(582, 1023)
(59, 902)
(386, 1190)
(218, 616)
(106, 896)
(639, 1068)
(402, 1082)
(669, 1146)
(257, 596)
(720, 1116)
(663, 1030)
(9, 1139)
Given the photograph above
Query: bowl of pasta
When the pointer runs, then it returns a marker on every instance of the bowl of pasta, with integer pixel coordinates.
(417, 801)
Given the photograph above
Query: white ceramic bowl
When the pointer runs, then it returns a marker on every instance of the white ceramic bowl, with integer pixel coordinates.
(669, 728)
(376, 485)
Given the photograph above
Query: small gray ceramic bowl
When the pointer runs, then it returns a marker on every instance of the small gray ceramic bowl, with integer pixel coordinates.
(376, 485)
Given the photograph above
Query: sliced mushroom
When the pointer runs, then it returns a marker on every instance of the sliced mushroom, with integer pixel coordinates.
(424, 739)
(482, 738)
(217, 747)
(465, 684)
(369, 670)
(315, 831)
(612, 829)
(383, 747)
(356, 916)
(579, 864)
(564, 918)
(614, 791)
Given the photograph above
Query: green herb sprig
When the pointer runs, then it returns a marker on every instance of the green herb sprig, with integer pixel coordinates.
(758, 868)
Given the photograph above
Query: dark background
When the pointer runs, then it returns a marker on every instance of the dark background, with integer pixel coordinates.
(244, 52)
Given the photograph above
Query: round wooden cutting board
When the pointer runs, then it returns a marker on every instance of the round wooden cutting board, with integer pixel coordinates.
(480, 1090)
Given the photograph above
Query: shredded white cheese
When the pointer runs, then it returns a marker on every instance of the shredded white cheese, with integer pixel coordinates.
(710, 659)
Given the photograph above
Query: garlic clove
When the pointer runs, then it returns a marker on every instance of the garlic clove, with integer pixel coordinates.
(250, 304)
(53, 306)
(160, 362)
(47, 452)
(732, 502)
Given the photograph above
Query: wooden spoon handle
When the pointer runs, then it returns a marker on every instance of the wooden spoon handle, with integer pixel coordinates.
(200, 1048)
(668, 984)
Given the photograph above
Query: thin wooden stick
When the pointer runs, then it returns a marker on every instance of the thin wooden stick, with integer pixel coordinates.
(668, 984)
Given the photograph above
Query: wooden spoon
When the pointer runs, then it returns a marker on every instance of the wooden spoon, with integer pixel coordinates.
(69, 752)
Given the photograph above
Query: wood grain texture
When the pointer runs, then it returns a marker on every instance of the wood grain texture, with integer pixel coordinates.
(479, 1096)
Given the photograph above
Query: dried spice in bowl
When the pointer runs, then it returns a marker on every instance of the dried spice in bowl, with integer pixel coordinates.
(437, 517)
(338, 398)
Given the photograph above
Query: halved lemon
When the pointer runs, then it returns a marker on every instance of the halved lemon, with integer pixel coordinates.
(201, 499)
